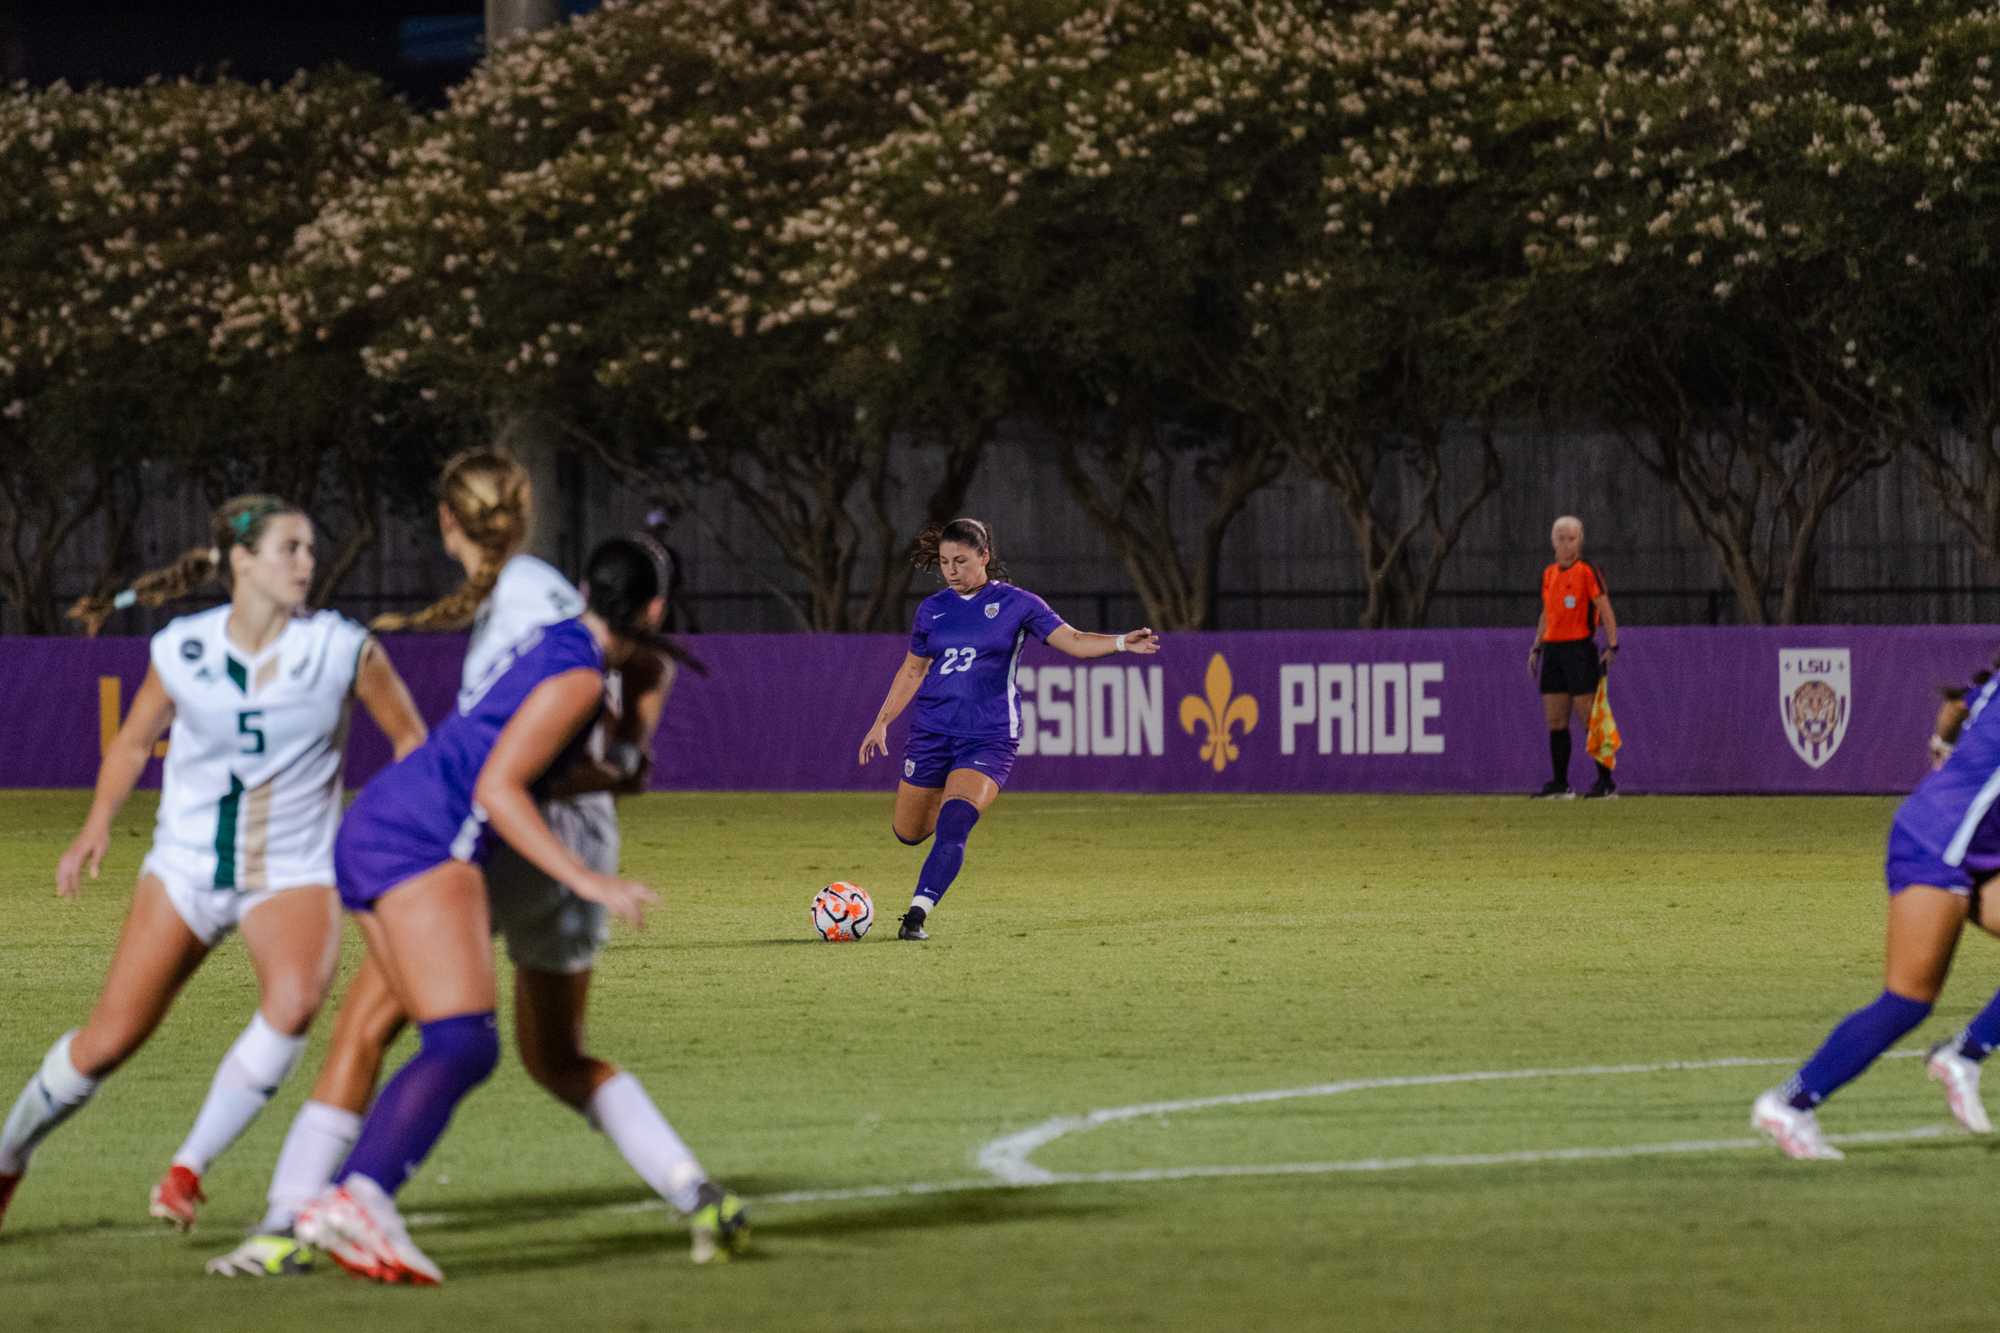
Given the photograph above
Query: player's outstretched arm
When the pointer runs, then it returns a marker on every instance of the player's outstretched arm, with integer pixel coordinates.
(381, 690)
(151, 713)
(1068, 639)
(553, 712)
(902, 689)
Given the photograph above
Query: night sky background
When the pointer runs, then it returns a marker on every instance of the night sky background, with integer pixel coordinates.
(420, 47)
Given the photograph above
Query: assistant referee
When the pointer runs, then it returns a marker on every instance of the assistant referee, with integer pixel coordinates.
(1565, 655)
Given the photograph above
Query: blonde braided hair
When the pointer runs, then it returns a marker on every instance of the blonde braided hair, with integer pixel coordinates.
(487, 493)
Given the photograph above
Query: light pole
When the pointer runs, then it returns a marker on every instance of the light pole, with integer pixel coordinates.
(510, 18)
(529, 438)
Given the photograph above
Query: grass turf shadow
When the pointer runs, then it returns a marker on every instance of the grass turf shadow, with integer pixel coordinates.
(773, 1230)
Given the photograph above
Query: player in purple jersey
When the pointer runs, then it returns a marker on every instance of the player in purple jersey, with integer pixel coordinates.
(1944, 851)
(964, 647)
(408, 863)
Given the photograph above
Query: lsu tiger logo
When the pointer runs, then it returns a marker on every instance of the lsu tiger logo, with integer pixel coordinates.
(1815, 699)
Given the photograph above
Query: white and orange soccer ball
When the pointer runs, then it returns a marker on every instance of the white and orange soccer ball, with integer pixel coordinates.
(842, 911)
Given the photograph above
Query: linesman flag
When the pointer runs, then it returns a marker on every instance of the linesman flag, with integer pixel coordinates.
(1603, 739)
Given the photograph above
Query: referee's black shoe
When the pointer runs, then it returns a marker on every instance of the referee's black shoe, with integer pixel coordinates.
(912, 927)
(1555, 791)
(1603, 789)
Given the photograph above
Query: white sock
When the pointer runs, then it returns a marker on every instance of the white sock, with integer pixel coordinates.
(52, 1096)
(621, 1108)
(319, 1140)
(244, 1083)
(924, 905)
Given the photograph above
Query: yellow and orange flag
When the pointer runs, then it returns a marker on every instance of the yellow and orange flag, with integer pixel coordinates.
(1603, 740)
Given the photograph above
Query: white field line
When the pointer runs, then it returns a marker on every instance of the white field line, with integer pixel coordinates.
(1005, 1159)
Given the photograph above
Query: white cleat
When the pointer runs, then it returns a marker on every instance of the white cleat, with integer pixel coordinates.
(1960, 1078)
(1797, 1133)
(356, 1224)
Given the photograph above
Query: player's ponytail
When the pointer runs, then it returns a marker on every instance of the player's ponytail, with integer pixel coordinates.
(965, 532)
(239, 522)
(620, 581)
(488, 494)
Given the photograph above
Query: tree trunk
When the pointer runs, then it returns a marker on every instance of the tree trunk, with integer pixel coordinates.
(1131, 504)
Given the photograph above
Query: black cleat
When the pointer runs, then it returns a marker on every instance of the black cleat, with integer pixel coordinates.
(1604, 790)
(912, 927)
(1555, 791)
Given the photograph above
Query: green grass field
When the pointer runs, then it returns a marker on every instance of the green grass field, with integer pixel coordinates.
(1098, 953)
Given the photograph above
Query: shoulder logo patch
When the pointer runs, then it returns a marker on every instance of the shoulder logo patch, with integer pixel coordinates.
(992, 610)
(190, 650)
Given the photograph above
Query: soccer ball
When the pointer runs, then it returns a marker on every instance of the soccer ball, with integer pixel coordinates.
(842, 912)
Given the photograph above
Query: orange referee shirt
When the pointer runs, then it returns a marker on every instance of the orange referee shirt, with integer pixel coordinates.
(1567, 602)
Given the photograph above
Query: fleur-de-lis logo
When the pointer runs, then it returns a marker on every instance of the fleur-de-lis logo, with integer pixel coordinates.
(1220, 713)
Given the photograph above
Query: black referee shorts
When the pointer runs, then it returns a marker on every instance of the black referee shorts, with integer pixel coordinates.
(1570, 668)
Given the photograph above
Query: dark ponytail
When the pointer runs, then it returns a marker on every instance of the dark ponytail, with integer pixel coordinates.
(621, 578)
(965, 532)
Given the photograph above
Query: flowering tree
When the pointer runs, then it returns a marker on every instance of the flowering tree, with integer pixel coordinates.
(1708, 219)
(595, 230)
(1173, 221)
(129, 216)
(1044, 238)
(1941, 284)
(1375, 350)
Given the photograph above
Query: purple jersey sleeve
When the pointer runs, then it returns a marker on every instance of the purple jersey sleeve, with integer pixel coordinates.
(1038, 618)
(920, 635)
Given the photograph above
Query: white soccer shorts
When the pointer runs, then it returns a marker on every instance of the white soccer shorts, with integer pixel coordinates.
(548, 928)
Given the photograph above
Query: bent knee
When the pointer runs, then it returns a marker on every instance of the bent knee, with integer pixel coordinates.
(291, 1009)
(570, 1077)
(469, 1042)
(367, 1027)
(911, 837)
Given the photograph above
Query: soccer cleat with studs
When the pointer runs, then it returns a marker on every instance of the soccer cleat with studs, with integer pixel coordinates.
(1797, 1133)
(719, 1226)
(277, 1254)
(176, 1197)
(357, 1226)
(912, 927)
(1960, 1078)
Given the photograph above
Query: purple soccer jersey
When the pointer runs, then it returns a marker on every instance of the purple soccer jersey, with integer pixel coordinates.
(1946, 833)
(975, 643)
(419, 812)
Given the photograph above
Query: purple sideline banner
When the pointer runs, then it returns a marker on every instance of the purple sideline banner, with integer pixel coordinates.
(1801, 709)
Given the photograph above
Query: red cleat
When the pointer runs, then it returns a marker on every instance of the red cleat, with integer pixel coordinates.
(357, 1225)
(7, 1184)
(175, 1197)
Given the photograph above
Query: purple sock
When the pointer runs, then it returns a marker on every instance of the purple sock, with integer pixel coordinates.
(954, 826)
(406, 1121)
(1853, 1046)
(1982, 1034)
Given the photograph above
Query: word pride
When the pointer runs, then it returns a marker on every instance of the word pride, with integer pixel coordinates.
(1361, 707)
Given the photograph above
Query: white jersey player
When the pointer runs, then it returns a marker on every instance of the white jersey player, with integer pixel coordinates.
(547, 928)
(250, 795)
(257, 697)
